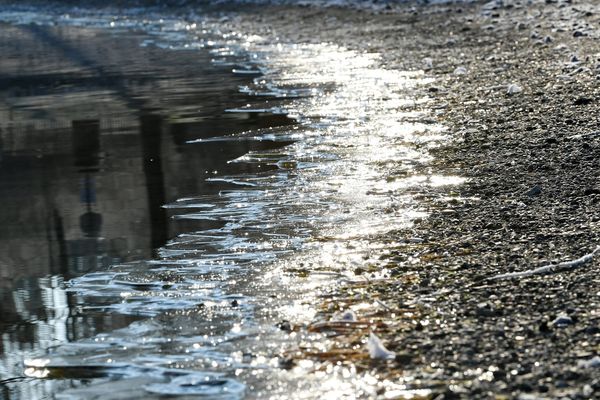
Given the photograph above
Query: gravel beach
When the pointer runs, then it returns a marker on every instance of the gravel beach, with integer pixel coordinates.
(516, 84)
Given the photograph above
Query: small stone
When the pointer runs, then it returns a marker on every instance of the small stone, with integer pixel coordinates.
(235, 303)
(543, 327)
(592, 330)
(525, 387)
(587, 391)
(582, 101)
(287, 363)
(590, 363)
(513, 89)
(427, 64)
(562, 320)
(485, 310)
(534, 191)
(492, 5)
(561, 384)
(543, 388)
(403, 358)
(460, 71)
(285, 326)
(578, 34)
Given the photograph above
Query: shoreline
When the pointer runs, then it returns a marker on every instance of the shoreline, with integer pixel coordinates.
(517, 88)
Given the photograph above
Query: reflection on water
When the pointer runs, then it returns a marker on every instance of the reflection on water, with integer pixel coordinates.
(154, 164)
(91, 135)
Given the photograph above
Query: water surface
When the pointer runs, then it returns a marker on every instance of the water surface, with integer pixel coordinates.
(175, 192)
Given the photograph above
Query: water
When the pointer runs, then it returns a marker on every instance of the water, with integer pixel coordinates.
(175, 192)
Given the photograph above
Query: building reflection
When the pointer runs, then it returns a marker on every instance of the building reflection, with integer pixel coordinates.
(86, 252)
(60, 235)
(90, 150)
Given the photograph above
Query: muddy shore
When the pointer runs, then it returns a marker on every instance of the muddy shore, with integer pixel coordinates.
(516, 86)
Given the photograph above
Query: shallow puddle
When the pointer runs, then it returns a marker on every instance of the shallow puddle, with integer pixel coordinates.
(176, 192)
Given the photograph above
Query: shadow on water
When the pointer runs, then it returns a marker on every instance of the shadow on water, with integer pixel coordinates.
(92, 144)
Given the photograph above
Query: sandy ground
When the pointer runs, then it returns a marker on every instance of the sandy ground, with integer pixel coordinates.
(516, 83)
(517, 86)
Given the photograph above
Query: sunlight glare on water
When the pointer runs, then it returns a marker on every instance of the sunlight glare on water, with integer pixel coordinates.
(346, 175)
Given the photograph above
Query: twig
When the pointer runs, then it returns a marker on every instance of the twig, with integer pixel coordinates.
(552, 268)
(381, 303)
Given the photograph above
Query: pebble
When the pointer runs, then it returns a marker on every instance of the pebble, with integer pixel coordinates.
(485, 310)
(427, 64)
(562, 320)
(348, 315)
(591, 363)
(582, 101)
(534, 191)
(377, 350)
(285, 326)
(514, 89)
(591, 191)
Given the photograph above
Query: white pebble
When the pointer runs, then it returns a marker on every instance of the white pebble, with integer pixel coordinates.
(562, 320)
(514, 89)
(427, 64)
(591, 363)
(377, 350)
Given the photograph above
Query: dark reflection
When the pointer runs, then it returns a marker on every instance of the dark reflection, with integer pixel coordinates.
(151, 137)
(85, 169)
(85, 251)
(86, 144)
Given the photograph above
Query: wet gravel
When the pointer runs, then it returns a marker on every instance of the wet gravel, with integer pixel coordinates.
(517, 86)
